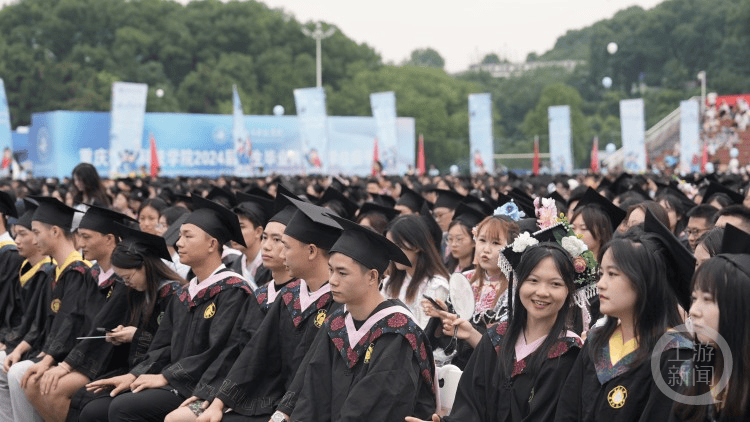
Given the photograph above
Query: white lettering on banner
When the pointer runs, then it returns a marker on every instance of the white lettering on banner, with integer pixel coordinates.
(256, 158)
(101, 157)
(173, 157)
(220, 158)
(267, 133)
(186, 158)
(230, 158)
(86, 155)
(283, 157)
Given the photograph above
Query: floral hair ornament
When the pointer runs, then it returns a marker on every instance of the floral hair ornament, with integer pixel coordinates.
(555, 228)
(510, 210)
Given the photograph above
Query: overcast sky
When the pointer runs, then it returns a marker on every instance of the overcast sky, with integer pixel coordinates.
(461, 31)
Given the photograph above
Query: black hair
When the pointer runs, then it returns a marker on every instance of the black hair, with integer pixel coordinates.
(127, 255)
(711, 240)
(680, 206)
(659, 212)
(156, 203)
(378, 221)
(739, 211)
(171, 214)
(410, 232)
(530, 259)
(729, 286)
(451, 263)
(598, 222)
(703, 211)
(93, 189)
(722, 198)
(641, 259)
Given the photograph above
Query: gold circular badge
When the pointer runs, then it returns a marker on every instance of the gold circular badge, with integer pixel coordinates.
(109, 293)
(617, 396)
(368, 354)
(55, 305)
(210, 311)
(320, 318)
(158, 319)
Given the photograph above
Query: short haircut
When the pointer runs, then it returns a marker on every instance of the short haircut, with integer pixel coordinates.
(743, 213)
(703, 211)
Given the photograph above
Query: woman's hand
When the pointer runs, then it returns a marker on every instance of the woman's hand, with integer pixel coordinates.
(147, 381)
(461, 327)
(429, 309)
(121, 335)
(118, 384)
(51, 377)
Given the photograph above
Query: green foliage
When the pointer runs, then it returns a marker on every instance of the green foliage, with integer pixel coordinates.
(426, 57)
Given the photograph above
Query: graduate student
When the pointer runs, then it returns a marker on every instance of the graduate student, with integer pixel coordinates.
(518, 366)
(35, 276)
(372, 362)
(197, 329)
(97, 238)
(721, 299)
(253, 213)
(263, 372)
(70, 309)
(138, 261)
(10, 262)
(612, 378)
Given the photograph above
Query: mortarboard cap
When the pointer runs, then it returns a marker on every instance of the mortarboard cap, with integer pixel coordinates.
(372, 207)
(680, 261)
(615, 213)
(29, 206)
(218, 221)
(410, 199)
(216, 193)
(468, 215)
(524, 202)
(384, 200)
(283, 209)
(332, 195)
(311, 224)
(367, 247)
(259, 207)
(141, 243)
(8, 204)
(735, 247)
(714, 188)
(477, 204)
(51, 211)
(448, 199)
(172, 235)
(259, 192)
(103, 220)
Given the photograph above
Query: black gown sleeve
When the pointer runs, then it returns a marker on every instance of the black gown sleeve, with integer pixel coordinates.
(160, 350)
(91, 357)
(570, 402)
(475, 386)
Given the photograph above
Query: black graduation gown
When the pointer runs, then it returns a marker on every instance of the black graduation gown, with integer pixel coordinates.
(487, 393)
(195, 334)
(387, 376)
(262, 274)
(267, 293)
(74, 302)
(91, 357)
(12, 296)
(264, 370)
(33, 281)
(598, 391)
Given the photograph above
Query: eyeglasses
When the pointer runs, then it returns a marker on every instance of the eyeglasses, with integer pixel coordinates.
(695, 232)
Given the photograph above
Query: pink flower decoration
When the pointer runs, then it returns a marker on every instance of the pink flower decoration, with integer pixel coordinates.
(580, 264)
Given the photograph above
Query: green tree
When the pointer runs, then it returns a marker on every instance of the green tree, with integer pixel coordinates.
(426, 57)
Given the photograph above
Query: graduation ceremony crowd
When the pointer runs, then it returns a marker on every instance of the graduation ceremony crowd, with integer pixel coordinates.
(390, 298)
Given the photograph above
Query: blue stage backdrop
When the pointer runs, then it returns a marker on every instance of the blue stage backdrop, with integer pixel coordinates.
(202, 145)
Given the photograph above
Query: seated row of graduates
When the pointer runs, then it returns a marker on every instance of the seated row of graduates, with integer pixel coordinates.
(219, 351)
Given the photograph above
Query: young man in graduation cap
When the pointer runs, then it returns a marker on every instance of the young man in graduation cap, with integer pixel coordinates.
(35, 275)
(263, 372)
(70, 310)
(211, 317)
(10, 262)
(409, 202)
(372, 361)
(90, 358)
(253, 213)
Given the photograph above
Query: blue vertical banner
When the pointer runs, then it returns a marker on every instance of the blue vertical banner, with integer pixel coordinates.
(561, 155)
(313, 128)
(243, 146)
(6, 138)
(690, 148)
(126, 128)
(383, 106)
(633, 125)
(480, 134)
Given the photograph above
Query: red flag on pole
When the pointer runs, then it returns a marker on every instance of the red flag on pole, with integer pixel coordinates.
(704, 159)
(375, 158)
(535, 164)
(420, 157)
(595, 156)
(154, 158)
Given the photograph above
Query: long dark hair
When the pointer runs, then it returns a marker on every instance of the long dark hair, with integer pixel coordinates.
(93, 188)
(642, 260)
(529, 261)
(410, 232)
(730, 288)
(128, 256)
(597, 222)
